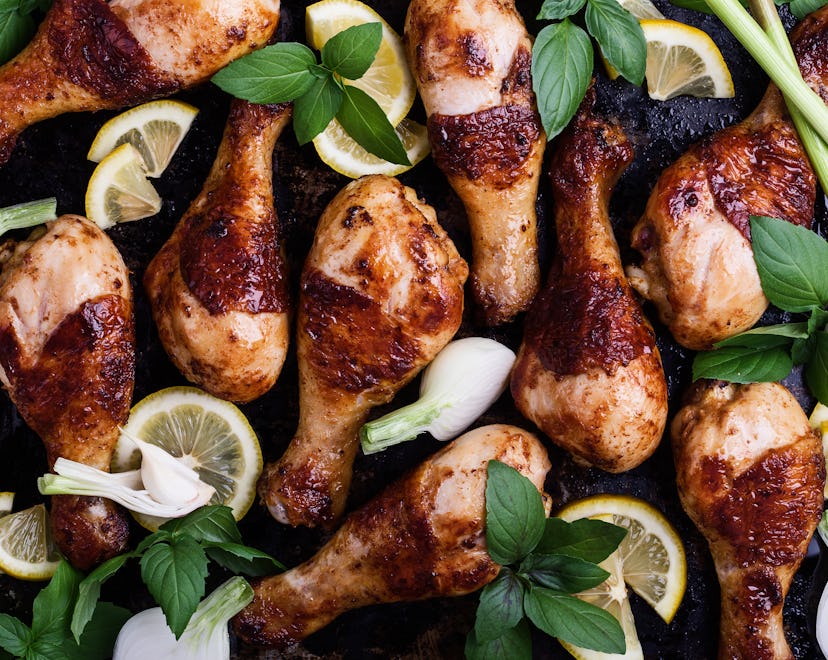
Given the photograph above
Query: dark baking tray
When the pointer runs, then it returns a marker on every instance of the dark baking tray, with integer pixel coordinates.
(50, 160)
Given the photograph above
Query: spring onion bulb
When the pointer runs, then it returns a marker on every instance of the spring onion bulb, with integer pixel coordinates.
(206, 637)
(465, 378)
(27, 214)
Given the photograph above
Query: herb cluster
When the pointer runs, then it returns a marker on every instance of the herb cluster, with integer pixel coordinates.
(17, 25)
(544, 560)
(791, 263)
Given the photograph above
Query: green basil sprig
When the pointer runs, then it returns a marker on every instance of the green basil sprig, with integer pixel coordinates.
(290, 72)
(562, 57)
(544, 561)
(17, 25)
(791, 261)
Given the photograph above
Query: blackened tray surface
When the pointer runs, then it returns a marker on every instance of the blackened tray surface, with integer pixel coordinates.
(50, 160)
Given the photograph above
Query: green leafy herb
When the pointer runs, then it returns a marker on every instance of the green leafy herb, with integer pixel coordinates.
(554, 559)
(18, 21)
(290, 72)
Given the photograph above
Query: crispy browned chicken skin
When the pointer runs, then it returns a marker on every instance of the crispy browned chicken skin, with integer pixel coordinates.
(381, 294)
(750, 474)
(92, 54)
(694, 236)
(67, 359)
(471, 60)
(422, 537)
(218, 286)
(588, 371)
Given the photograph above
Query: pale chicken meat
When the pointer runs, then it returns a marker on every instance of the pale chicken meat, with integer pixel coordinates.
(694, 237)
(422, 537)
(588, 372)
(218, 287)
(67, 360)
(750, 474)
(381, 293)
(471, 60)
(92, 54)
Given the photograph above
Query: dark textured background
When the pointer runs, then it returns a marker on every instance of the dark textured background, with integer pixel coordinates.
(50, 160)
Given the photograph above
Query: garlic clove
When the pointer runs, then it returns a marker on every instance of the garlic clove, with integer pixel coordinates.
(168, 480)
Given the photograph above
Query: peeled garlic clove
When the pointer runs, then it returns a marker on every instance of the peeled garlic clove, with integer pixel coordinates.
(168, 480)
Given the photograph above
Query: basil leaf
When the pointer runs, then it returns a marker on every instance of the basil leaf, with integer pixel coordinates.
(89, 591)
(100, 635)
(515, 518)
(767, 335)
(242, 559)
(313, 111)
(174, 574)
(53, 605)
(500, 607)
(791, 263)
(590, 540)
(15, 636)
(16, 30)
(214, 523)
(513, 644)
(562, 573)
(620, 36)
(816, 371)
(741, 364)
(44, 649)
(574, 621)
(562, 61)
(802, 350)
(555, 10)
(801, 8)
(13, 5)
(817, 320)
(365, 121)
(351, 52)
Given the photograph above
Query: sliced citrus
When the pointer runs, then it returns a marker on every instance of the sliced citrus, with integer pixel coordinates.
(212, 435)
(6, 502)
(155, 129)
(819, 421)
(683, 60)
(119, 190)
(26, 548)
(641, 8)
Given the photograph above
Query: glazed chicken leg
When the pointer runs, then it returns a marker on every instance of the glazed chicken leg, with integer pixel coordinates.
(218, 286)
(694, 236)
(67, 359)
(588, 372)
(381, 294)
(471, 60)
(423, 537)
(92, 54)
(750, 474)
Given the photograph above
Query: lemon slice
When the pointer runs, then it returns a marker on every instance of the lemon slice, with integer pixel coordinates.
(683, 60)
(819, 421)
(119, 190)
(26, 548)
(641, 9)
(342, 153)
(388, 81)
(155, 129)
(212, 435)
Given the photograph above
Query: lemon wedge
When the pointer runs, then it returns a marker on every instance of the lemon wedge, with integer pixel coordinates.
(26, 548)
(819, 422)
(212, 435)
(155, 129)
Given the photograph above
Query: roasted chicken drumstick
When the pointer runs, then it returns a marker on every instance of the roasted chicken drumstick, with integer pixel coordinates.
(471, 60)
(750, 475)
(67, 359)
(588, 371)
(92, 54)
(218, 286)
(694, 236)
(381, 293)
(423, 537)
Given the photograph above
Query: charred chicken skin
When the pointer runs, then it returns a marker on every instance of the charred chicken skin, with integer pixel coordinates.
(92, 55)
(422, 537)
(750, 475)
(471, 60)
(381, 293)
(588, 371)
(218, 286)
(67, 359)
(694, 236)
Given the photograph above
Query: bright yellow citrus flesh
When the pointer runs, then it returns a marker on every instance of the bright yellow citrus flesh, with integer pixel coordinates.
(26, 548)
(819, 422)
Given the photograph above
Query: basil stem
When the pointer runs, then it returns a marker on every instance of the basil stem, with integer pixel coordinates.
(27, 214)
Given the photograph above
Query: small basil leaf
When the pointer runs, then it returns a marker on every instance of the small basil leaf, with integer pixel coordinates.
(802, 350)
(365, 121)
(351, 52)
(767, 336)
(515, 518)
(574, 621)
(568, 574)
(15, 636)
(274, 74)
(817, 320)
(313, 111)
(555, 10)
(99, 637)
(242, 559)
(816, 371)
(791, 263)
(739, 364)
(52, 608)
(214, 523)
(513, 644)
(620, 36)
(562, 61)
(89, 591)
(590, 540)
(500, 607)
(16, 30)
(801, 8)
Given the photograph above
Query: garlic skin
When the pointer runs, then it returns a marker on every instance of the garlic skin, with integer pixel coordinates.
(168, 480)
